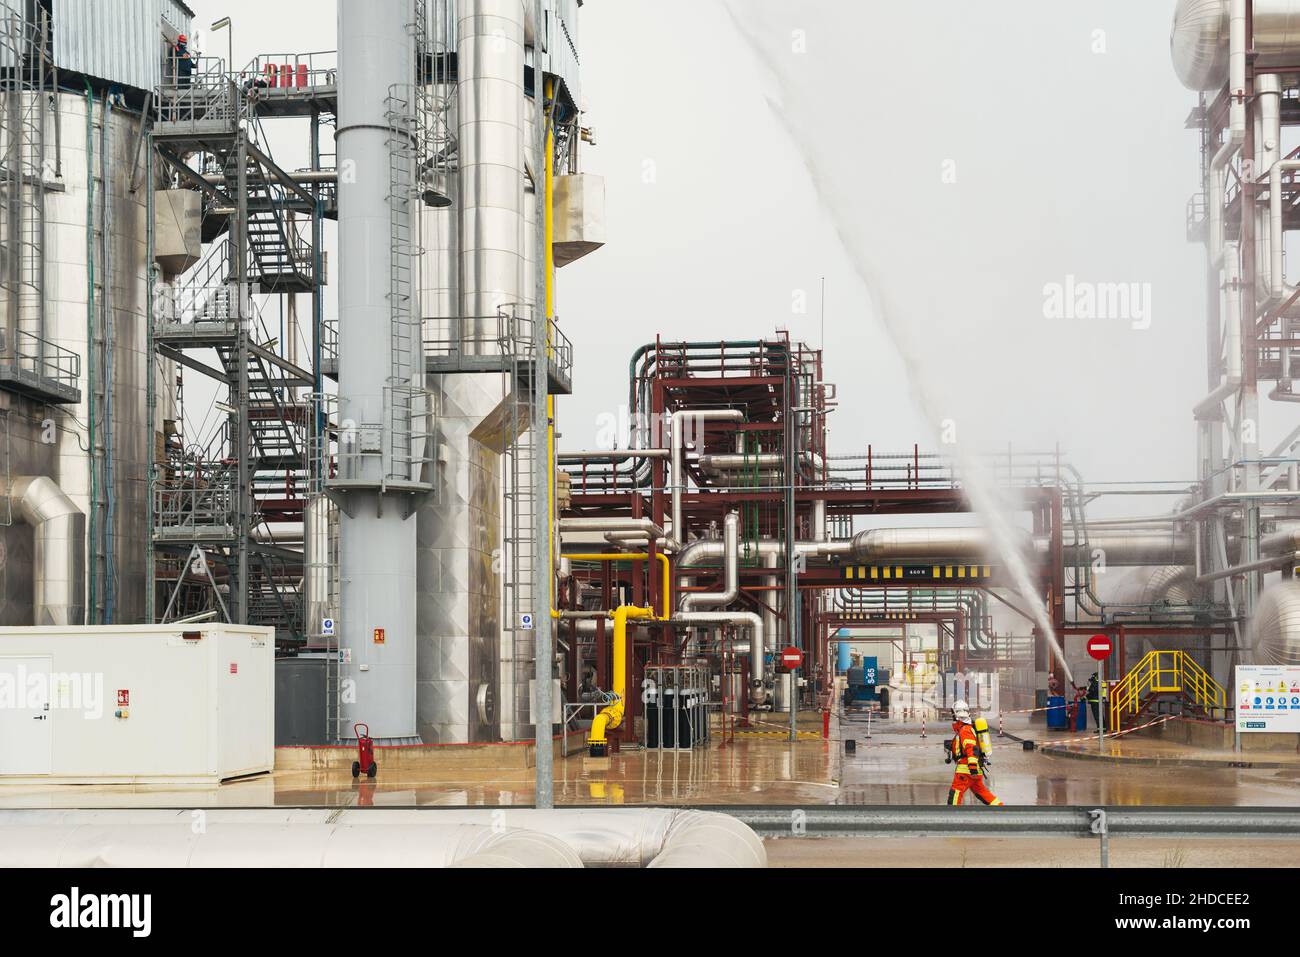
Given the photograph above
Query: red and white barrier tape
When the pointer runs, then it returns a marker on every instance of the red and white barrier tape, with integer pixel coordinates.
(1044, 743)
(1111, 734)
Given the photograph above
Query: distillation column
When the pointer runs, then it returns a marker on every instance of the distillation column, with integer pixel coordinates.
(377, 533)
(475, 273)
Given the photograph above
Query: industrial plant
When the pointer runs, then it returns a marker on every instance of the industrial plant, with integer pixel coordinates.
(291, 529)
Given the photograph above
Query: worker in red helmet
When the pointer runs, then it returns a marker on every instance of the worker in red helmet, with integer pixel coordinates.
(964, 749)
(184, 60)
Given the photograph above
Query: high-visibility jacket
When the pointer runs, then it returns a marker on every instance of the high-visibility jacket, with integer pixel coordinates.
(965, 749)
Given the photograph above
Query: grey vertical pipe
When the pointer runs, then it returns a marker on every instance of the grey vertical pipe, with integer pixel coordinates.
(692, 601)
(376, 535)
(544, 795)
(676, 477)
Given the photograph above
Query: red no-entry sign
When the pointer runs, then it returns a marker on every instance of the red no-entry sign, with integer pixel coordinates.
(1099, 646)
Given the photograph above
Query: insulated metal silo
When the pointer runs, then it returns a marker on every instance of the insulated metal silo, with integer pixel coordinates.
(94, 453)
(474, 274)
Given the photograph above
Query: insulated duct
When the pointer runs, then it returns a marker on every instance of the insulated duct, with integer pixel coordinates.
(241, 845)
(1273, 637)
(1199, 40)
(600, 837)
(925, 544)
(1156, 585)
(1119, 548)
(712, 551)
(59, 534)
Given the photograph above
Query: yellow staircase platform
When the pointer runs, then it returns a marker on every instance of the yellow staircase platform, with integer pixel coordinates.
(1165, 672)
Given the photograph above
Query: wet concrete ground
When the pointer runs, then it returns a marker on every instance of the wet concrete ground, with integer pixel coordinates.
(897, 766)
(1029, 852)
(894, 766)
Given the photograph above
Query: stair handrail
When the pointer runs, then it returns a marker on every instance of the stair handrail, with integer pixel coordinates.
(1127, 692)
(1207, 693)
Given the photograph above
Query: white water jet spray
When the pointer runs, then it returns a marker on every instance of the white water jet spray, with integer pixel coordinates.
(975, 476)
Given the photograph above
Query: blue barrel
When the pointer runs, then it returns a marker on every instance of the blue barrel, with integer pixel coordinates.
(1081, 719)
(844, 656)
(1057, 717)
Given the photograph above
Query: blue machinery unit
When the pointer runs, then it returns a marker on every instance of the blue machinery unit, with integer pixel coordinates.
(867, 683)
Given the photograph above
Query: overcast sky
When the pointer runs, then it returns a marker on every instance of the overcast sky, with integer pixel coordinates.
(972, 154)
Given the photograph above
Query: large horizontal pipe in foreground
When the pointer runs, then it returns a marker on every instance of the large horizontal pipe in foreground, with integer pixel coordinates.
(600, 837)
(240, 845)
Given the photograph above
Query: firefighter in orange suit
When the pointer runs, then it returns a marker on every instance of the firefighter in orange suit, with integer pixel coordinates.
(965, 749)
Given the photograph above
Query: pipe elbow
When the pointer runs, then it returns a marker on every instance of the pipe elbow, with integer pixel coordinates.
(609, 718)
(59, 534)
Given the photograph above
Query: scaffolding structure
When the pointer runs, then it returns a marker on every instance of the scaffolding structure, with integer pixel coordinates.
(230, 509)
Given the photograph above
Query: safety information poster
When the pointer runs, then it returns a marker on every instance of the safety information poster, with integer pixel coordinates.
(1268, 698)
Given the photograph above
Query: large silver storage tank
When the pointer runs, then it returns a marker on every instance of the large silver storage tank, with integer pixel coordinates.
(1199, 39)
(53, 440)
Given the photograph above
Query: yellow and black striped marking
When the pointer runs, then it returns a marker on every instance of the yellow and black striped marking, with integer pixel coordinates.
(876, 616)
(917, 572)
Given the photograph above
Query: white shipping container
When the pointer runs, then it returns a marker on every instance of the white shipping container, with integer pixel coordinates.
(109, 704)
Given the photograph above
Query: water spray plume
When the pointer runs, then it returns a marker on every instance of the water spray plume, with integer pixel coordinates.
(977, 481)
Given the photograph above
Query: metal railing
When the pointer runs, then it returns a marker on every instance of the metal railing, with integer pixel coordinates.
(199, 102)
(1165, 672)
(281, 74)
(341, 448)
(39, 361)
(206, 295)
(1197, 214)
(198, 505)
(329, 344)
(481, 339)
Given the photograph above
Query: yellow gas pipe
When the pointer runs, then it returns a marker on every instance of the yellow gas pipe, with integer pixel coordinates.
(611, 716)
(548, 220)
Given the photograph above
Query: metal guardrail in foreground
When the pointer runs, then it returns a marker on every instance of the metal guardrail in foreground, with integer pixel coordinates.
(975, 821)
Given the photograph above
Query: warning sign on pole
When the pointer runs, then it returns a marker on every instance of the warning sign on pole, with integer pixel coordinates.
(1268, 698)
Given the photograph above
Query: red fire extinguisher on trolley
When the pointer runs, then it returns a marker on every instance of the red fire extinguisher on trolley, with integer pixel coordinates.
(365, 752)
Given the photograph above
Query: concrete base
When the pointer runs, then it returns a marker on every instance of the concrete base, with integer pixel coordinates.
(1217, 735)
(510, 755)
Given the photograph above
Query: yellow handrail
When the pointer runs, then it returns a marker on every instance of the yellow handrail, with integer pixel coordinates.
(1165, 672)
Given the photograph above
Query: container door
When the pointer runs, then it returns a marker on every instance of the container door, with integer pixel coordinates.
(26, 721)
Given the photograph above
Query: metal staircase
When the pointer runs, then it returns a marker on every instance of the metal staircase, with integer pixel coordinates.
(281, 260)
(1165, 673)
(263, 447)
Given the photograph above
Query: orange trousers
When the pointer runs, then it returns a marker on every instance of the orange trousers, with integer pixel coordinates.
(961, 783)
